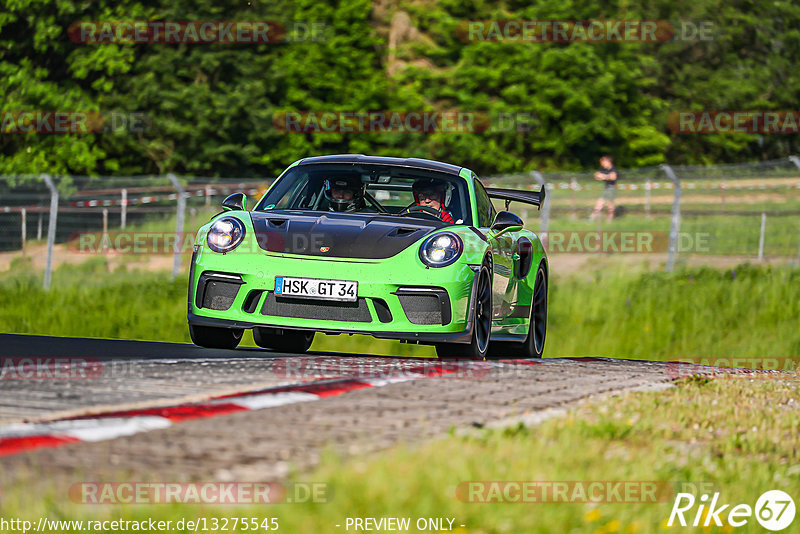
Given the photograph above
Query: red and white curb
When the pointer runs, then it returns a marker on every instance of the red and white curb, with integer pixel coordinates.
(17, 438)
(23, 437)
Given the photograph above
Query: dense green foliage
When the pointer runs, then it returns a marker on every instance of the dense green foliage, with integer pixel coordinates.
(209, 107)
(693, 313)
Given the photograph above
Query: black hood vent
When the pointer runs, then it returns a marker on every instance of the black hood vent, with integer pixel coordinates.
(338, 235)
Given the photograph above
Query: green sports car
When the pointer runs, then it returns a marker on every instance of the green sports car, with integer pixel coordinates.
(406, 249)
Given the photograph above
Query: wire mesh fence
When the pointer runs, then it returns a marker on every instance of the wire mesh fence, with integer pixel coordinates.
(80, 215)
(751, 211)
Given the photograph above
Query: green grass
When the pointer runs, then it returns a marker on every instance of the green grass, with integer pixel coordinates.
(86, 300)
(718, 234)
(701, 312)
(738, 437)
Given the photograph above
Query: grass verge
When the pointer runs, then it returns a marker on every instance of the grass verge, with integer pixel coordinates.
(699, 312)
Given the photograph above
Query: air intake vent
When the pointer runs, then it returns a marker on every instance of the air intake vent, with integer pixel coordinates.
(402, 232)
(383, 311)
(217, 291)
(219, 295)
(356, 312)
(425, 305)
(251, 302)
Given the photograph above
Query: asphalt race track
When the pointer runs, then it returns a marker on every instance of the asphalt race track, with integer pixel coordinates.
(166, 410)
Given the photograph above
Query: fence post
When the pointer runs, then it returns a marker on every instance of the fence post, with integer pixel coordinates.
(544, 218)
(51, 229)
(24, 215)
(39, 228)
(106, 243)
(675, 223)
(573, 185)
(123, 214)
(796, 161)
(761, 237)
(181, 212)
(647, 187)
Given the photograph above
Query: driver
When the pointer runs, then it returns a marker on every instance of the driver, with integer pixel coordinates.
(430, 193)
(345, 194)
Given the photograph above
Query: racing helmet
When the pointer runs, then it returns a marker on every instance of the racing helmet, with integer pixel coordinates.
(431, 184)
(345, 183)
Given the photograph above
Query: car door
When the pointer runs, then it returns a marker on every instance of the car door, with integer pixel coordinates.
(502, 251)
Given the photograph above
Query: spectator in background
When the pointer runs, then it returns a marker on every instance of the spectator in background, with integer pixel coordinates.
(607, 174)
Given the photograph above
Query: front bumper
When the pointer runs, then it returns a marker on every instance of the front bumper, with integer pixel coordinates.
(416, 337)
(381, 286)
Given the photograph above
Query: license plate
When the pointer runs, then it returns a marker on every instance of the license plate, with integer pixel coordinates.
(316, 288)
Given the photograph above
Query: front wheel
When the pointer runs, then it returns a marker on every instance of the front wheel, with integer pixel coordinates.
(533, 346)
(482, 324)
(290, 341)
(214, 337)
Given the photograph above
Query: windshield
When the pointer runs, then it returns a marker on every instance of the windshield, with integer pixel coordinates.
(395, 191)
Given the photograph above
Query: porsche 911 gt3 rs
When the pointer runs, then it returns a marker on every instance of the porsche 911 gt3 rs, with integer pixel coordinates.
(406, 249)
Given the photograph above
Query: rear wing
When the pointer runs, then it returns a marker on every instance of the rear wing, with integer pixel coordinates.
(528, 197)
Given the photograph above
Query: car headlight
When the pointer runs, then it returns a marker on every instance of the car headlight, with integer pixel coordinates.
(225, 234)
(441, 250)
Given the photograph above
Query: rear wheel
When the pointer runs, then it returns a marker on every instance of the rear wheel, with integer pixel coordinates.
(482, 324)
(288, 341)
(533, 346)
(537, 329)
(214, 337)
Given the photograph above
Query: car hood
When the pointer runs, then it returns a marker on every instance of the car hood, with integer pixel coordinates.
(341, 235)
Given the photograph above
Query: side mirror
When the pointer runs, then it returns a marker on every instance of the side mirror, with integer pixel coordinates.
(236, 201)
(505, 221)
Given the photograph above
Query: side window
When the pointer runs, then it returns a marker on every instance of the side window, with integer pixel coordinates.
(291, 196)
(486, 211)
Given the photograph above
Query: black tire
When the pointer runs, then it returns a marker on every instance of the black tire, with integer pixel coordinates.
(533, 346)
(214, 337)
(290, 341)
(478, 346)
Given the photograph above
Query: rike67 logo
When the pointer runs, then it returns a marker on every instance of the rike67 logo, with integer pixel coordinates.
(774, 510)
